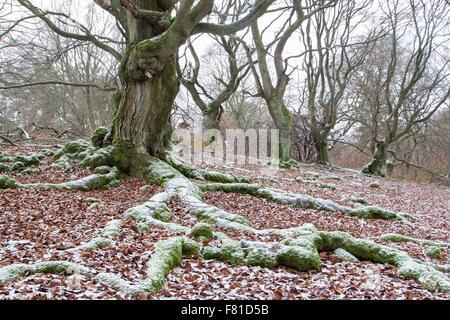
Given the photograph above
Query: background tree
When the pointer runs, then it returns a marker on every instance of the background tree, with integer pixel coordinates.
(51, 80)
(273, 91)
(147, 72)
(333, 52)
(224, 70)
(405, 78)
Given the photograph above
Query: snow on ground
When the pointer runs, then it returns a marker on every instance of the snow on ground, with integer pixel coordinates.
(38, 225)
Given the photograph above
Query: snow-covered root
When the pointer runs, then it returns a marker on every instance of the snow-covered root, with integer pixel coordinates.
(204, 175)
(85, 152)
(303, 201)
(103, 178)
(176, 184)
(299, 249)
(15, 271)
(109, 232)
(392, 237)
(154, 212)
(407, 267)
(168, 254)
(20, 161)
(316, 183)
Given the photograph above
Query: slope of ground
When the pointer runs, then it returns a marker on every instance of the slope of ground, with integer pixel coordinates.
(42, 224)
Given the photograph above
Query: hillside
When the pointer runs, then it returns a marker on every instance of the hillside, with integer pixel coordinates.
(49, 223)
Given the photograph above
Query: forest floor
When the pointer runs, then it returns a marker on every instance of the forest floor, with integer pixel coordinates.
(38, 224)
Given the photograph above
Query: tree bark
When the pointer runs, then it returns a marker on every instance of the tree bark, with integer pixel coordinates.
(283, 122)
(378, 161)
(321, 146)
(212, 116)
(143, 117)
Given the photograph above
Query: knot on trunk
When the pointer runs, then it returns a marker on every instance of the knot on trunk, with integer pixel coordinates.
(146, 68)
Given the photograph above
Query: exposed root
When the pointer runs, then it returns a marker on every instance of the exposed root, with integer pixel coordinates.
(298, 248)
(303, 201)
(316, 183)
(356, 199)
(167, 255)
(345, 255)
(20, 161)
(108, 234)
(401, 238)
(103, 178)
(15, 271)
(204, 175)
(408, 268)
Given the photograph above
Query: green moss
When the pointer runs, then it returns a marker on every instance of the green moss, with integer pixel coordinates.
(434, 252)
(202, 231)
(14, 271)
(375, 185)
(102, 170)
(344, 255)
(430, 278)
(29, 171)
(401, 238)
(162, 212)
(316, 183)
(230, 251)
(356, 199)
(361, 248)
(4, 167)
(167, 255)
(244, 188)
(99, 136)
(159, 172)
(17, 165)
(190, 247)
(112, 229)
(101, 157)
(289, 164)
(373, 168)
(62, 162)
(72, 148)
(7, 182)
(372, 212)
(27, 160)
(299, 258)
(261, 257)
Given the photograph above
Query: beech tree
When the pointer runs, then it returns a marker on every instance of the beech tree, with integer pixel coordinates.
(333, 54)
(153, 30)
(211, 97)
(405, 79)
(148, 83)
(272, 89)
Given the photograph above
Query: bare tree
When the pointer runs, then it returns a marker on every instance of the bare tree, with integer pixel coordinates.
(51, 80)
(405, 79)
(273, 90)
(333, 52)
(226, 75)
(148, 81)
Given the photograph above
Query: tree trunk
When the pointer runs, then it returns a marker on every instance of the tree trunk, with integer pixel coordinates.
(142, 117)
(211, 117)
(283, 122)
(378, 160)
(321, 146)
